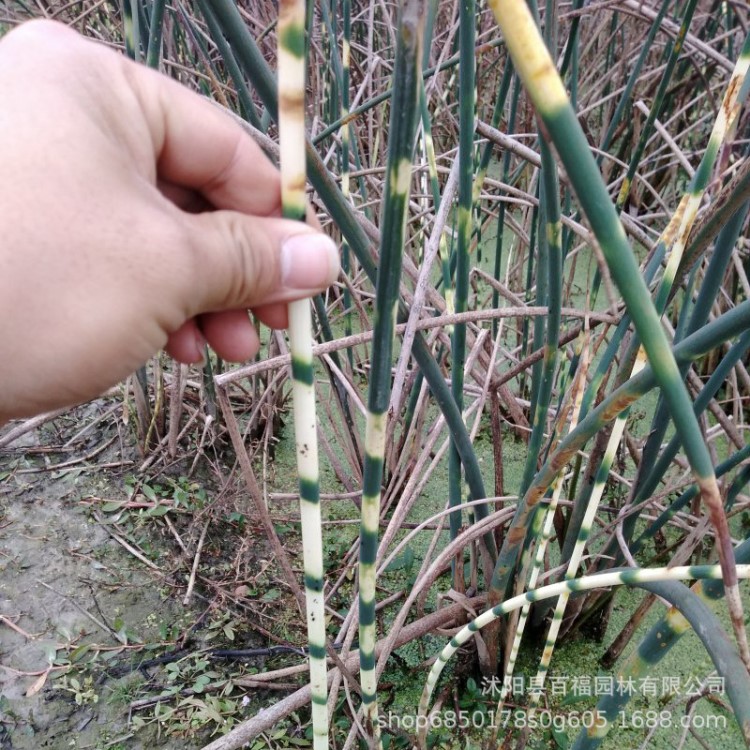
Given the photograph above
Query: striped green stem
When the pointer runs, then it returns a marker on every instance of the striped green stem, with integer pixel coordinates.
(541, 548)
(660, 639)
(676, 234)
(605, 362)
(345, 131)
(330, 53)
(682, 224)
(550, 294)
(153, 53)
(291, 61)
(648, 481)
(602, 475)
(537, 70)
(429, 148)
(501, 212)
(132, 27)
(627, 577)
(733, 96)
(402, 132)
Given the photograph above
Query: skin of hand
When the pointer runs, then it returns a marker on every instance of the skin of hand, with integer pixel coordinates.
(137, 217)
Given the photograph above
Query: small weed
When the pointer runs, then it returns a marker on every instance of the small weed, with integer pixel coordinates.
(83, 692)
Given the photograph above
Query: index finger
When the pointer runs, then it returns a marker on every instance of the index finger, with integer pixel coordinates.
(200, 148)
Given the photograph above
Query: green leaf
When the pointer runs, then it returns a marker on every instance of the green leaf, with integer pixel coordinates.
(271, 595)
(113, 506)
(78, 653)
(50, 651)
(149, 493)
(560, 738)
(202, 706)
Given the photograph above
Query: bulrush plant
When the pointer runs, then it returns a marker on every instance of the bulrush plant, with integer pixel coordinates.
(543, 217)
(398, 176)
(291, 64)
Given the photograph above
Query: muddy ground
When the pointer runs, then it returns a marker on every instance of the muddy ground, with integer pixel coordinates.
(90, 587)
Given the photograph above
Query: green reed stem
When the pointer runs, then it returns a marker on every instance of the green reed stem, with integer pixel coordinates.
(401, 133)
(467, 114)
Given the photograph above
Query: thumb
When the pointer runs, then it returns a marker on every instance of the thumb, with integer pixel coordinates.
(246, 261)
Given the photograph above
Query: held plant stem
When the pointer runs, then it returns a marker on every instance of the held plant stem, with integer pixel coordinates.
(226, 50)
(291, 55)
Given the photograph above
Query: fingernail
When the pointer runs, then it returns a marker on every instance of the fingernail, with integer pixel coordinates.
(309, 261)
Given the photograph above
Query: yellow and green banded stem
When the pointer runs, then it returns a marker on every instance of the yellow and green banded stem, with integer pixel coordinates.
(291, 62)
(506, 179)
(345, 131)
(611, 551)
(549, 293)
(605, 362)
(541, 548)
(651, 474)
(597, 492)
(676, 235)
(429, 148)
(733, 96)
(537, 70)
(401, 134)
(627, 577)
(132, 28)
(658, 642)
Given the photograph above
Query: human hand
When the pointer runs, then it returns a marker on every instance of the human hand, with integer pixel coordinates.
(137, 217)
